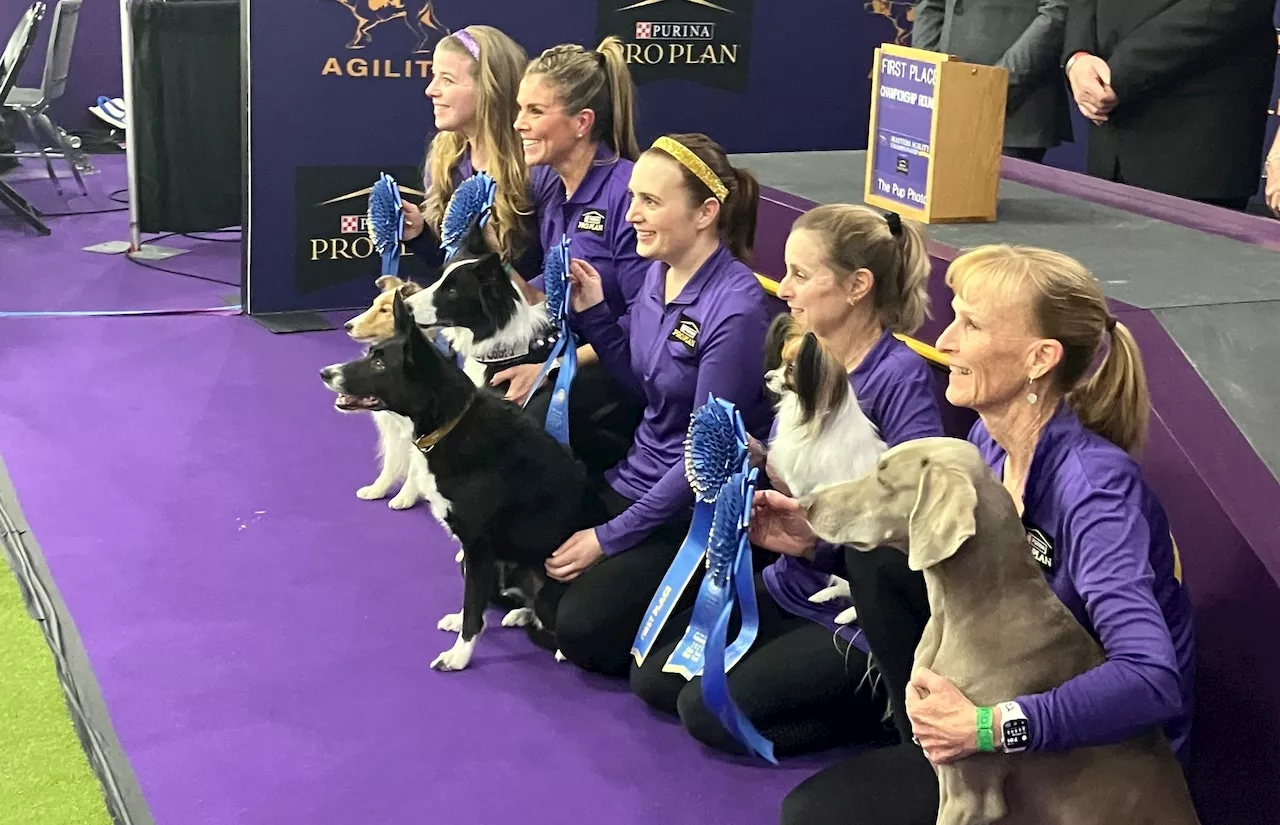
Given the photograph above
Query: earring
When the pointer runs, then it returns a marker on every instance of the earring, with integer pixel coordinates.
(579, 136)
(1031, 391)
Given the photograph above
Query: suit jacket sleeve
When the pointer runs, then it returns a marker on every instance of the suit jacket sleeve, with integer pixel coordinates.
(1034, 55)
(926, 29)
(1172, 42)
(1082, 28)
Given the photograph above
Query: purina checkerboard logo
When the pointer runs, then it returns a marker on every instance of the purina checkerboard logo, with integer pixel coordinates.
(696, 40)
(331, 224)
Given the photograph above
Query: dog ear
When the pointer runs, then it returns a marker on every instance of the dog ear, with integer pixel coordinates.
(780, 329)
(386, 282)
(943, 518)
(473, 243)
(402, 315)
(408, 288)
(821, 383)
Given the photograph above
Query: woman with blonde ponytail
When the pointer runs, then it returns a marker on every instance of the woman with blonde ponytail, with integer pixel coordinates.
(475, 74)
(576, 124)
(1058, 385)
(854, 277)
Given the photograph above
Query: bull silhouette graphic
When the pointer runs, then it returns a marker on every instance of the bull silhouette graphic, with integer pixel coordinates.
(418, 15)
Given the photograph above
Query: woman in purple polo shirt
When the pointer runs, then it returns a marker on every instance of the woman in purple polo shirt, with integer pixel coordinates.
(696, 327)
(854, 277)
(1029, 323)
(475, 74)
(577, 128)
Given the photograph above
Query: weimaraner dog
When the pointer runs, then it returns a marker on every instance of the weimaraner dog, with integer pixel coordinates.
(997, 631)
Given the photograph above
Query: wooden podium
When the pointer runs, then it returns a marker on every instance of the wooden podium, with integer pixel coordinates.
(936, 133)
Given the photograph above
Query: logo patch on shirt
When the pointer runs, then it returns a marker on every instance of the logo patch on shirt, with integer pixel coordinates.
(1041, 547)
(592, 220)
(686, 332)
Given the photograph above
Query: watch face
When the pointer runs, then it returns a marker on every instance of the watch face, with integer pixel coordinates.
(1016, 734)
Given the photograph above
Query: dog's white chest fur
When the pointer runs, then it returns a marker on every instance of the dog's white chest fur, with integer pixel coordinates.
(395, 442)
(807, 457)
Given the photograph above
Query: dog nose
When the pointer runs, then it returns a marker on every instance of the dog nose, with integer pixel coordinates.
(348, 325)
(328, 373)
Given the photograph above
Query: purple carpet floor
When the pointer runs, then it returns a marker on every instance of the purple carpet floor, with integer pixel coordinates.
(55, 274)
(262, 637)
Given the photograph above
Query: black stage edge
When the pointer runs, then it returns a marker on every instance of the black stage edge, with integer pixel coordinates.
(282, 323)
(120, 787)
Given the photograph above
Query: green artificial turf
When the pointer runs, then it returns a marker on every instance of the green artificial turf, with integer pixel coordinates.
(45, 777)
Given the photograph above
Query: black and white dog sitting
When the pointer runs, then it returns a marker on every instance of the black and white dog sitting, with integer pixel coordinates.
(483, 312)
(514, 494)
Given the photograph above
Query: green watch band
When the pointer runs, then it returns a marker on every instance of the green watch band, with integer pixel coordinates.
(986, 736)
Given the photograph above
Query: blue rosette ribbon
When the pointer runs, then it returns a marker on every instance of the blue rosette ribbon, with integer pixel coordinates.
(729, 570)
(386, 222)
(474, 196)
(555, 280)
(714, 448)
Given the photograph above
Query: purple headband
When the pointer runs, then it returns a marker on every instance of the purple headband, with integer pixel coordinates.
(468, 42)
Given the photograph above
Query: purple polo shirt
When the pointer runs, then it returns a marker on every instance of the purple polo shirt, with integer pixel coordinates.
(595, 220)
(1105, 547)
(709, 340)
(426, 246)
(895, 390)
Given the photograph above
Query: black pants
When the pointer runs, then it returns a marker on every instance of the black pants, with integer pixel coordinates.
(798, 685)
(888, 786)
(598, 613)
(602, 418)
(1238, 204)
(1034, 154)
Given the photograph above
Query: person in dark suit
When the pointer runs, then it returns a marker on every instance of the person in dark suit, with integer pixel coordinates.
(1178, 90)
(1023, 36)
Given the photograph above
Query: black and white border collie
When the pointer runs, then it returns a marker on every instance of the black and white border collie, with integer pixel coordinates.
(823, 436)
(514, 493)
(489, 318)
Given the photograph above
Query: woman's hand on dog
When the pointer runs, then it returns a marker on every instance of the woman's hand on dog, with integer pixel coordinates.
(521, 378)
(413, 220)
(577, 555)
(588, 288)
(944, 722)
(778, 524)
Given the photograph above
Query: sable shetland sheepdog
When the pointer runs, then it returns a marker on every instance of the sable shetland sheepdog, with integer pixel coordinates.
(401, 461)
(823, 436)
(513, 493)
(490, 317)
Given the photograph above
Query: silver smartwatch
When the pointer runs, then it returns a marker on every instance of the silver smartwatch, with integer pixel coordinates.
(1014, 730)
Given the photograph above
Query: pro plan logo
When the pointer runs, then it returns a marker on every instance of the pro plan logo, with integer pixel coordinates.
(698, 40)
(397, 54)
(331, 224)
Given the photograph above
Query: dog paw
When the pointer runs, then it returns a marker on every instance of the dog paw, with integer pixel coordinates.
(560, 657)
(846, 616)
(837, 588)
(402, 501)
(452, 623)
(372, 492)
(520, 617)
(455, 658)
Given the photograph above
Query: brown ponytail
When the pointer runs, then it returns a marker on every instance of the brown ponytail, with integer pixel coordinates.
(892, 249)
(598, 80)
(739, 211)
(1068, 306)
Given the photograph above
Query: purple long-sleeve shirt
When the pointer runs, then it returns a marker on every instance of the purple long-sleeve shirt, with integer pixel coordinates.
(709, 340)
(595, 219)
(1106, 550)
(894, 389)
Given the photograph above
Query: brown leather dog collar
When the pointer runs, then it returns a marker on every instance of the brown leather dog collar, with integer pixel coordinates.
(428, 442)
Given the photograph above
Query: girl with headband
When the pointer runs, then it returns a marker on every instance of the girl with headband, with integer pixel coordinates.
(696, 326)
(475, 73)
(854, 277)
(577, 126)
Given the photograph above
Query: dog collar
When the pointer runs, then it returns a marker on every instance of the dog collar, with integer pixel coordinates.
(428, 442)
(533, 352)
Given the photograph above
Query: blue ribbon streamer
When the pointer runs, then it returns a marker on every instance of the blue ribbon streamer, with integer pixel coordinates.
(557, 420)
(715, 684)
(694, 547)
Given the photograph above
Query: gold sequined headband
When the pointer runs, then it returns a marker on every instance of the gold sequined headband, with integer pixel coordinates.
(694, 164)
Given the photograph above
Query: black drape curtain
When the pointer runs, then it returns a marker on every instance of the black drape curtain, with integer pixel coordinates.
(186, 132)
